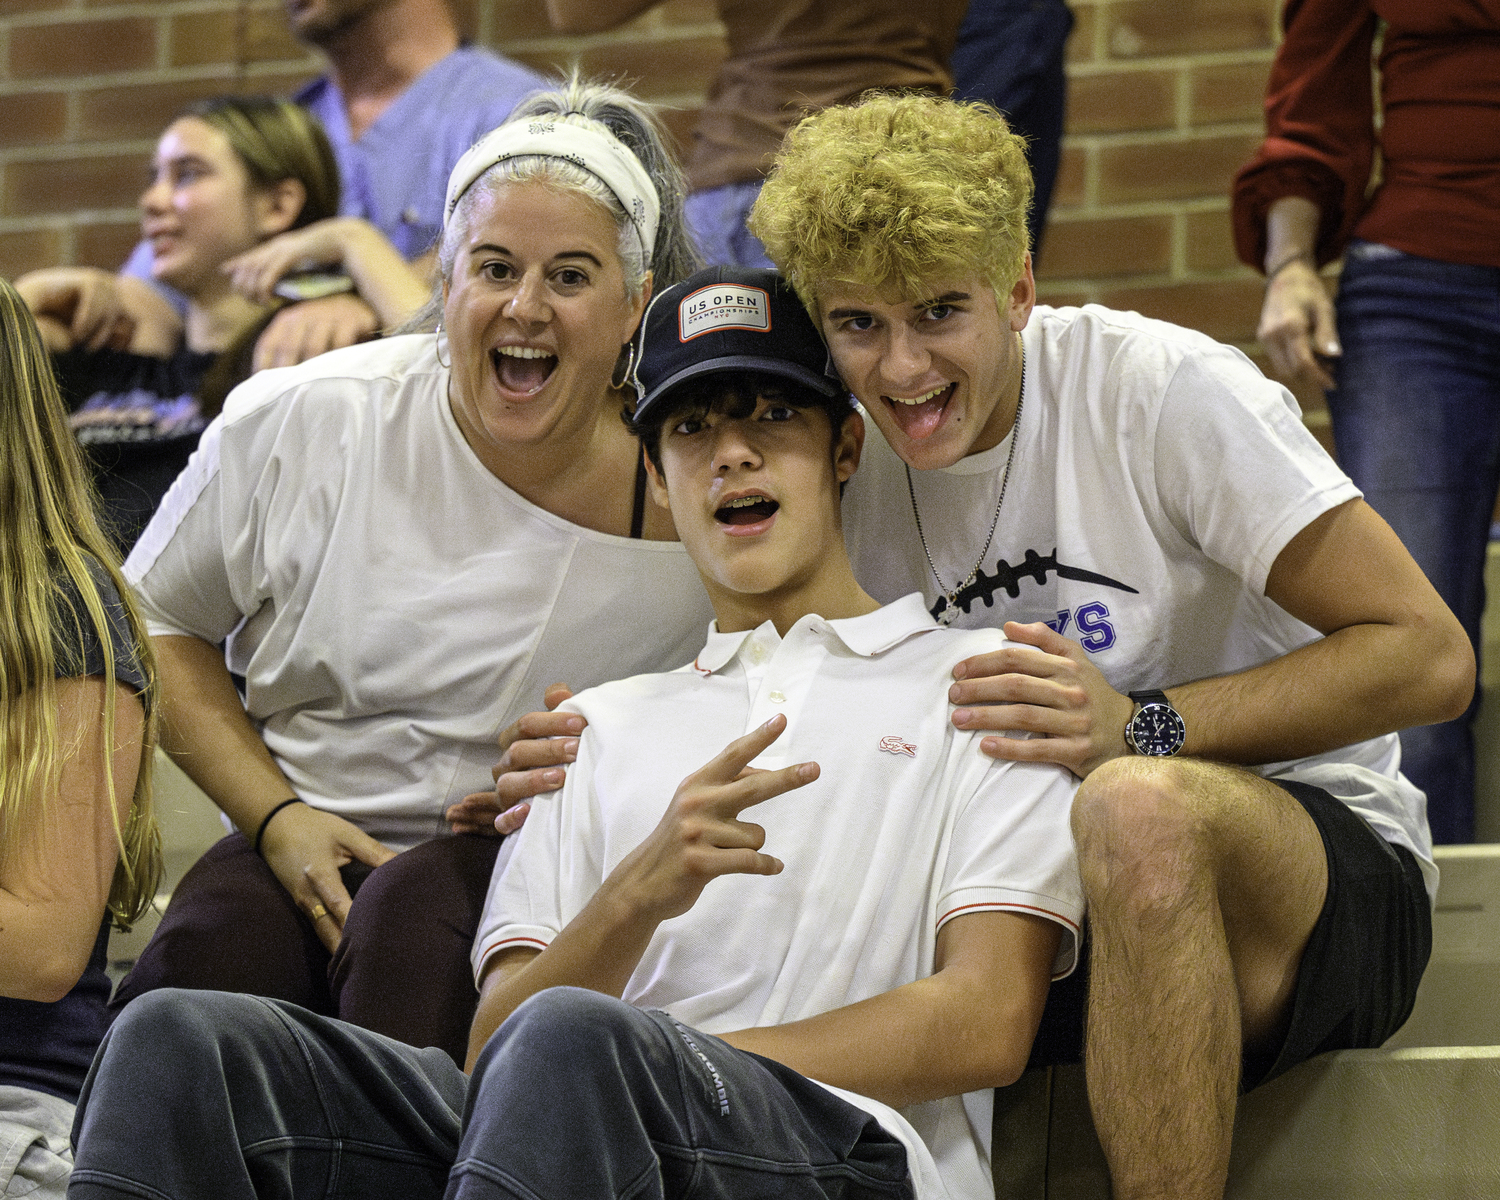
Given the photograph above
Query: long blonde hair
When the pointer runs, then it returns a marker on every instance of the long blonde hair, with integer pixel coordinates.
(48, 537)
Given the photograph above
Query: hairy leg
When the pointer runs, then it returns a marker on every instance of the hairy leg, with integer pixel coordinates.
(1203, 883)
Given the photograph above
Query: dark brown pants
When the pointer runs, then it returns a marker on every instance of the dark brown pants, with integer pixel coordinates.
(402, 968)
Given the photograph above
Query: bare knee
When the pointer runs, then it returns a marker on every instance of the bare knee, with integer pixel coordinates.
(1143, 838)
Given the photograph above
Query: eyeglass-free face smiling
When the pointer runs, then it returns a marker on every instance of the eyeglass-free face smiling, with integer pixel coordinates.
(939, 374)
(535, 312)
(199, 210)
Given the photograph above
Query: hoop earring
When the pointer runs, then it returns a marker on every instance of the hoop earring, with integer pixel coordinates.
(438, 341)
(629, 375)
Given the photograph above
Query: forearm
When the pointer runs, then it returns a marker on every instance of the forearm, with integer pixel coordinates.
(968, 1025)
(390, 285)
(599, 950)
(1291, 232)
(158, 327)
(55, 335)
(1356, 683)
(1393, 655)
(931, 1038)
(207, 733)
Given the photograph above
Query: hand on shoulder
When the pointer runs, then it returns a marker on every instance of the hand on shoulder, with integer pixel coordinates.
(1046, 686)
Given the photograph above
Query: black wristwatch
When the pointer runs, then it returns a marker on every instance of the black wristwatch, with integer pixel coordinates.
(1156, 729)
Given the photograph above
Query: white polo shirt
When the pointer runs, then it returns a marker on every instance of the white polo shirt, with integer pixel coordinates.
(908, 825)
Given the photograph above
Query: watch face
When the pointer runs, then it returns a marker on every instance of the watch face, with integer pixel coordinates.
(1157, 730)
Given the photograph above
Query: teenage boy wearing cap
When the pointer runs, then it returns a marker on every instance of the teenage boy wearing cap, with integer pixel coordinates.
(888, 927)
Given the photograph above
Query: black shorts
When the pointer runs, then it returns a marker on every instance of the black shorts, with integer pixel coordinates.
(1359, 974)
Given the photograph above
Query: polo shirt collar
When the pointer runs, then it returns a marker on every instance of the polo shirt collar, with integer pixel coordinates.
(869, 635)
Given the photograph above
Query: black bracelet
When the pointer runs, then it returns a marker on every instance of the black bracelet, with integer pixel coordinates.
(261, 832)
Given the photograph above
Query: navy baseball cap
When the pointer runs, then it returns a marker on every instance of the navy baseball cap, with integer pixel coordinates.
(728, 319)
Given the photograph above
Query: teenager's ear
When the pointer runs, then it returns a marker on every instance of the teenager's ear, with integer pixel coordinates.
(657, 483)
(849, 447)
(279, 206)
(1022, 298)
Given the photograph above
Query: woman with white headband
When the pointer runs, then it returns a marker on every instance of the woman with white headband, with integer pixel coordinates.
(400, 545)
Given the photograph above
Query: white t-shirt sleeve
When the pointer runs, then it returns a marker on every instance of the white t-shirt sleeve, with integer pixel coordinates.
(553, 869)
(178, 567)
(1237, 472)
(1012, 850)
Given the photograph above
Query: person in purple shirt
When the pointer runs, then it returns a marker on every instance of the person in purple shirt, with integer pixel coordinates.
(401, 101)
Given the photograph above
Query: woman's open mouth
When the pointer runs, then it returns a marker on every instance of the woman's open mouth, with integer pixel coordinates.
(523, 369)
(919, 416)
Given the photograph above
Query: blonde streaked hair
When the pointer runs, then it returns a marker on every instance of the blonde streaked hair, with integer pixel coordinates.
(894, 192)
(48, 534)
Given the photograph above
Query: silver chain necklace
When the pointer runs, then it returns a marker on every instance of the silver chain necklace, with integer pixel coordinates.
(949, 611)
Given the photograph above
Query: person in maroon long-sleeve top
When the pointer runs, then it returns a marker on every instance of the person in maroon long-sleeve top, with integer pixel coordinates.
(1406, 186)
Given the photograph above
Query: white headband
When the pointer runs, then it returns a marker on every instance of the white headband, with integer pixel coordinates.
(595, 150)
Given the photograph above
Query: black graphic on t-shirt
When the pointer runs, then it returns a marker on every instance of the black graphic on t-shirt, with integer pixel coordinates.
(1033, 566)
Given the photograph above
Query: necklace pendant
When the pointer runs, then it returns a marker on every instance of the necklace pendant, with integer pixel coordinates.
(945, 611)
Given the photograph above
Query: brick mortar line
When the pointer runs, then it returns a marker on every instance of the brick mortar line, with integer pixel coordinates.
(1153, 137)
(156, 9)
(146, 76)
(1177, 251)
(125, 8)
(545, 44)
(1172, 62)
(57, 17)
(1076, 213)
(74, 151)
(1148, 279)
(616, 37)
(153, 8)
(61, 222)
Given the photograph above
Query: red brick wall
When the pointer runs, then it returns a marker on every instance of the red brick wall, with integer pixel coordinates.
(1165, 104)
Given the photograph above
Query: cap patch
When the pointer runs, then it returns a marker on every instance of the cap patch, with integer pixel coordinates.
(724, 306)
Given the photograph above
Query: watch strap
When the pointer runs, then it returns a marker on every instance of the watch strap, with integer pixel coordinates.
(1144, 700)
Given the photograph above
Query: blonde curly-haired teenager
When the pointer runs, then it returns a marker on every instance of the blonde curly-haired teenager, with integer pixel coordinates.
(1221, 636)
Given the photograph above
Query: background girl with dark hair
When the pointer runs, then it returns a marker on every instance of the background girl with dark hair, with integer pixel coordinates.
(227, 174)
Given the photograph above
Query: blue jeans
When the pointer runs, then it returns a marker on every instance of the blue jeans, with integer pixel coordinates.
(1416, 419)
(1010, 52)
(230, 1097)
(716, 218)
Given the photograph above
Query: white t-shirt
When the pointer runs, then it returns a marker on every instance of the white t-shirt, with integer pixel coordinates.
(908, 825)
(1157, 477)
(392, 605)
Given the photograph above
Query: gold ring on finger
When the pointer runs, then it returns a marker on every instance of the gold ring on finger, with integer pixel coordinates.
(317, 912)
